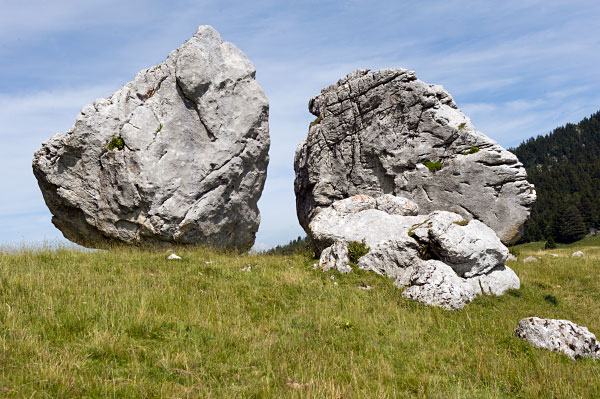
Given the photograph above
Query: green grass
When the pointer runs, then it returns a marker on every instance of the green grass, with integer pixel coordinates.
(116, 143)
(433, 166)
(129, 323)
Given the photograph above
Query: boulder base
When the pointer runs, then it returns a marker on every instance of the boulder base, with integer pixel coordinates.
(440, 258)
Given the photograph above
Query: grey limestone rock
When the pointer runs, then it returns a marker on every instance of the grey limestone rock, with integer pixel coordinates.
(435, 283)
(577, 254)
(561, 336)
(376, 131)
(440, 262)
(336, 257)
(178, 155)
(469, 247)
(530, 259)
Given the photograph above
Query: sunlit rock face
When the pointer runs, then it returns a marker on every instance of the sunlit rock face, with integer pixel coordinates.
(387, 132)
(178, 155)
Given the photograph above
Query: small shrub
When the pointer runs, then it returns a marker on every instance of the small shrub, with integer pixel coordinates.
(463, 222)
(316, 121)
(357, 250)
(472, 150)
(550, 244)
(461, 126)
(159, 128)
(116, 142)
(433, 166)
(551, 299)
(514, 251)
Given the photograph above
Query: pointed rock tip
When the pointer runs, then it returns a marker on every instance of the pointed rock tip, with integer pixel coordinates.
(207, 32)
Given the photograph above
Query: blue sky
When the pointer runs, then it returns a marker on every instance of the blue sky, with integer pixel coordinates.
(517, 68)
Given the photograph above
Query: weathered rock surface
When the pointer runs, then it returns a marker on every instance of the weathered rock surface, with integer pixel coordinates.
(561, 336)
(374, 133)
(192, 162)
(467, 246)
(440, 259)
(336, 257)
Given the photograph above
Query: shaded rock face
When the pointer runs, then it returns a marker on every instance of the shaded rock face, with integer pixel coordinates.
(561, 336)
(178, 155)
(442, 259)
(375, 133)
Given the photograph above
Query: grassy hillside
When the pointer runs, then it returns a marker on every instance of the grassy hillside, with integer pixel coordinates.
(129, 323)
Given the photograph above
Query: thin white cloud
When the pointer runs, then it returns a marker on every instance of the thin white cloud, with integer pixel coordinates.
(517, 68)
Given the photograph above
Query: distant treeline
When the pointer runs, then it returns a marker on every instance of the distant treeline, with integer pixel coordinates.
(300, 245)
(564, 166)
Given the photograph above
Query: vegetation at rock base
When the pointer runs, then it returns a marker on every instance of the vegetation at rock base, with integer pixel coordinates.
(357, 250)
(433, 166)
(116, 143)
(463, 222)
(564, 166)
(128, 323)
(550, 244)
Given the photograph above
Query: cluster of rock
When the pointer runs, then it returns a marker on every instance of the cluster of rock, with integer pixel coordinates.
(178, 155)
(391, 161)
(441, 258)
(561, 336)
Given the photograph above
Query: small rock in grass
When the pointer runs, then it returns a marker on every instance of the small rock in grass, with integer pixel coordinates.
(246, 269)
(577, 254)
(173, 256)
(561, 336)
(365, 287)
(530, 259)
(512, 257)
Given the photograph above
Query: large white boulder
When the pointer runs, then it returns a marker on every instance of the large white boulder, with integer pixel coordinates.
(178, 155)
(387, 132)
(561, 336)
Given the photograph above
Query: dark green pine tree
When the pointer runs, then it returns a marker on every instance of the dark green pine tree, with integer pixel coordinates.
(571, 226)
(550, 244)
(564, 166)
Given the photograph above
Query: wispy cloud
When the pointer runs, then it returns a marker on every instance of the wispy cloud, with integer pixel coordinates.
(517, 68)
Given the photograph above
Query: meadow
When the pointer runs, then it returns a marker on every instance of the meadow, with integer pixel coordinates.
(128, 323)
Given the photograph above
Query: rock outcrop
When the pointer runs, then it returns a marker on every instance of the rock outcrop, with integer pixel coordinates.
(386, 132)
(561, 336)
(441, 258)
(178, 155)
